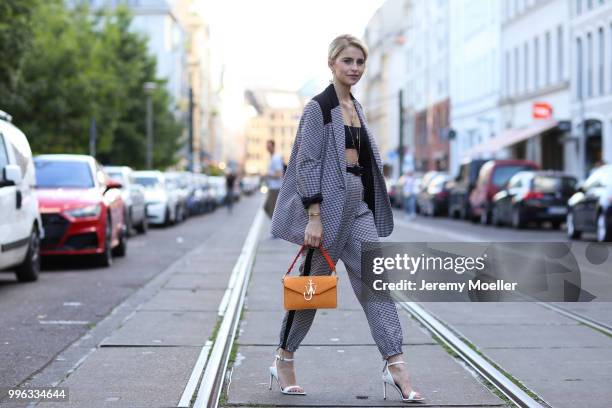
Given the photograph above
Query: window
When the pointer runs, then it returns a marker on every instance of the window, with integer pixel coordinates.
(507, 65)
(516, 70)
(579, 68)
(536, 63)
(547, 63)
(589, 4)
(560, 53)
(68, 174)
(600, 59)
(526, 66)
(578, 6)
(589, 65)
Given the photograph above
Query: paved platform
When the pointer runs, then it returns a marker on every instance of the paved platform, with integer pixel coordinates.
(338, 363)
(144, 352)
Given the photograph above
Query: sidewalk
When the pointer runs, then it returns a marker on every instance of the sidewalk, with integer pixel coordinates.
(338, 363)
(142, 355)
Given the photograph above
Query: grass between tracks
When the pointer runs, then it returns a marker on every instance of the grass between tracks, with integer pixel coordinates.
(595, 328)
(489, 385)
(232, 359)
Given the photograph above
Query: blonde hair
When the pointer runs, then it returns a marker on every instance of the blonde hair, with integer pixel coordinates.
(342, 42)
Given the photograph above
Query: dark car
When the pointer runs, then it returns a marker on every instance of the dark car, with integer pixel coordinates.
(590, 209)
(492, 176)
(433, 200)
(533, 196)
(461, 187)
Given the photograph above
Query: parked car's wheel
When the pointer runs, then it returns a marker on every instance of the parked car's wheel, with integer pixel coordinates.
(143, 226)
(465, 212)
(453, 214)
(555, 225)
(167, 220)
(178, 214)
(518, 221)
(29, 270)
(128, 221)
(485, 216)
(121, 249)
(572, 232)
(495, 220)
(434, 210)
(105, 259)
(603, 231)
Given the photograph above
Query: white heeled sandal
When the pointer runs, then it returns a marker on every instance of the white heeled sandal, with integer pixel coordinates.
(387, 378)
(274, 374)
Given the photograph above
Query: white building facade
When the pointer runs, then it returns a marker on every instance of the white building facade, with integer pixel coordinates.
(591, 90)
(427, 104)
(475, 75)
(534, 109)
(386, 75)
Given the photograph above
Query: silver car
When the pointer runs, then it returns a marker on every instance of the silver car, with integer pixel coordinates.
(133, 196)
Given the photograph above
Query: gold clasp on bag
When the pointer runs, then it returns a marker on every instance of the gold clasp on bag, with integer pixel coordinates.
(310, 290)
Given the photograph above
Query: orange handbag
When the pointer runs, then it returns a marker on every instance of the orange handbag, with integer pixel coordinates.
(310, 292)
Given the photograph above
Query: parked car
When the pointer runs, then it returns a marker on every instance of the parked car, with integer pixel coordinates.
(133, 198)
(250, 184)
(492, 176)
(82, 210)
(21, 226)
(196, 202)
(590, 209)
(424, 183)
(533, 196)
(162, 205)
(179, 184)
(461, 188)
(394, 191)
(209, 194)
(217, 184)
(433, 200)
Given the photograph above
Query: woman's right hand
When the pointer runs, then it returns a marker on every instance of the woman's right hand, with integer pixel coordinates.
(313, 236)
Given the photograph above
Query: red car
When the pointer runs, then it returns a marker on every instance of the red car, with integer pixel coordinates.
(493, 175)
(81, 208)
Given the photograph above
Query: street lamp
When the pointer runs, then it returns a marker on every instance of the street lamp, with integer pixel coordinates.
(149, 87)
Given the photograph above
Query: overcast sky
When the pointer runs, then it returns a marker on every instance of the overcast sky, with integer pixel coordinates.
(281, 43)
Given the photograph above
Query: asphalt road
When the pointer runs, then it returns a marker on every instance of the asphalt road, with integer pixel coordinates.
(38, 320)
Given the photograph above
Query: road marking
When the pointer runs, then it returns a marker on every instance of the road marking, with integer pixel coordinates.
(438, 231)
(72, 304)
(65, 322)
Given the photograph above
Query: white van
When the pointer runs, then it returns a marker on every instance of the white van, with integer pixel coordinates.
(20, 223)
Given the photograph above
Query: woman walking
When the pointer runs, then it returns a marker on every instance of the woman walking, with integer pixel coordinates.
(333, 195)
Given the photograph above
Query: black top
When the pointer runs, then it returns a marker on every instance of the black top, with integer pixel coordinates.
(365, 160)
(351, 141)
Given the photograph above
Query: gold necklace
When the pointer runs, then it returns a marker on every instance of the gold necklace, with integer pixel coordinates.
(358, 144)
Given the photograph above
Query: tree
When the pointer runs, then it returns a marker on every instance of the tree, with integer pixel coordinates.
(83, 66)
(136, 67)
(15, 38)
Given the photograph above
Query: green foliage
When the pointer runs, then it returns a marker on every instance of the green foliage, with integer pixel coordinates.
(85, 64)
(15, 38)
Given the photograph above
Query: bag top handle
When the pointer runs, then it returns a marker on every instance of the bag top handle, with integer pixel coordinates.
(330, 263)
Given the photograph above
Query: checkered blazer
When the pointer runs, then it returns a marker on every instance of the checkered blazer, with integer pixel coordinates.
(317, 168)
